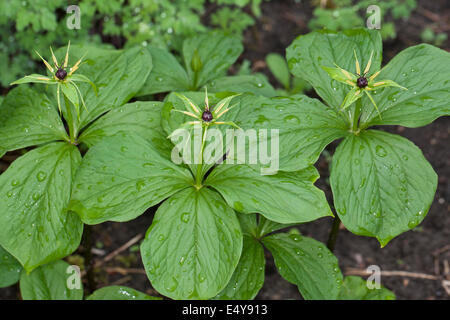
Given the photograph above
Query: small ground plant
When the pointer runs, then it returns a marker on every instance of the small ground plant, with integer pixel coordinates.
(217, 211)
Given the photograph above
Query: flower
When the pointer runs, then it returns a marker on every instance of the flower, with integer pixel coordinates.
(359, 81)
(64, 80)
(208, 116)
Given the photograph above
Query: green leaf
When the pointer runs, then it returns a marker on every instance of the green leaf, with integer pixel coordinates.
(424, 71)
(119, 293)
(279, 68)
(256, 84)
(266, 226)
(355, 288)
(217, 52)
(248, 277)
(10, 269)
(167, 74)
(34, 193)
(306, 263)
(193, 245)
(308, 53)
(284, 198)
(382, 184)
(249, 224)
(142, 118)
(27, 118)
(121, 177)
(50, 282)
(305, 126)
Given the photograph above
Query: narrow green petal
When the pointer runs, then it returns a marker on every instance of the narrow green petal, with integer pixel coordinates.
(373, 102)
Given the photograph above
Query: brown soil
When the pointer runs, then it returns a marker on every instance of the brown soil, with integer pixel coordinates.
(414, 251)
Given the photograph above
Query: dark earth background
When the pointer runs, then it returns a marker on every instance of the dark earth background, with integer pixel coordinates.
(424, 250)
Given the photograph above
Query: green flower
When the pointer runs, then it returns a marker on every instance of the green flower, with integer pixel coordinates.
(359, 81)
(64, 80)
(208, 116)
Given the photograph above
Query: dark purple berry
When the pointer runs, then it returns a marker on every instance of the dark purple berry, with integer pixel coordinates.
(362, 82)
(61, 74)
(207, 116)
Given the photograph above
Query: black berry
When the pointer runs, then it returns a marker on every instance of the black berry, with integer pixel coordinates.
(61, 74)
(362, 82)
(207, 116)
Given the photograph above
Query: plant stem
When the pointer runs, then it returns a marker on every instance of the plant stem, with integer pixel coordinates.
(87, 245)
(333, 233)
(356, 115)
(198, 176)
(71, 121)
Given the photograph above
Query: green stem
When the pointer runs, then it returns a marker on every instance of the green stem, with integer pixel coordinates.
(198, 176)
(333, 233)
(356, 115)
(71, 120)
(194, 87)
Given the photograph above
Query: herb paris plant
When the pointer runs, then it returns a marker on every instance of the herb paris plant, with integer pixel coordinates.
(195, 241)
(382, 184)
(35, 190)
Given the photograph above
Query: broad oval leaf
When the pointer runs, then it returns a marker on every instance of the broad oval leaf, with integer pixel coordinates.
(51, 282)
(28, 118)
(216, 51)
(308, 53)
(255, 83)
(121, 177)
(193, 246)
(142, 118)
(305, 127)
(119, 293)
(167, 74)
(424, 70)
(306, 263)
(279, 68)
(248, 277)
(35, 192)
(382, 184)
(355, 288)
(284, 197)
(10, 269)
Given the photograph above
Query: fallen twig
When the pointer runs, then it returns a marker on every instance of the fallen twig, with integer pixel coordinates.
(359, 272)
(122, 248)
(125, 271)
(116, 252)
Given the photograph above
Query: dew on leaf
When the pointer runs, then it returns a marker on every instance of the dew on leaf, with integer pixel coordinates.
(41, 176)
(171, 284)
(292, 119)
(185, 217)
(381, 152)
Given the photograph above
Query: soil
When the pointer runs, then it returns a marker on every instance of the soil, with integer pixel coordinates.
(424, 250)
